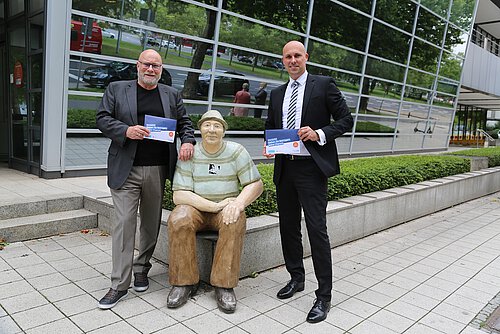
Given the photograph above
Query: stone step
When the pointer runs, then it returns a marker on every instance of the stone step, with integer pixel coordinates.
(31, 206)
(45, 225)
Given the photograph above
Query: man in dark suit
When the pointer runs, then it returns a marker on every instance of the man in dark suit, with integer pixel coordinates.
(307, 103)
(138, 168)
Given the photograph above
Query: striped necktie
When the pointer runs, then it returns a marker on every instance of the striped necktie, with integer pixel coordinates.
(292, 106)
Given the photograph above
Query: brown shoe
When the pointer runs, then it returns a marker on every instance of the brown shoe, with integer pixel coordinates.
(226, 299)
(179, 295)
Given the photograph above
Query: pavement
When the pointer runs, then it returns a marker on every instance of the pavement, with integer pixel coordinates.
(436, 274)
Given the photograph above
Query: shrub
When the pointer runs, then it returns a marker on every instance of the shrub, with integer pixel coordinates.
(493, 154)
(360, 176)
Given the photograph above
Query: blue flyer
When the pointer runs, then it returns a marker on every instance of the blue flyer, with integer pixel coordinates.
(160, 128)
(283, 141)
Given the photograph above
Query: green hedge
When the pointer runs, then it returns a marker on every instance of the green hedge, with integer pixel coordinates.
(81, 119)
(493, 154)
(360, 176)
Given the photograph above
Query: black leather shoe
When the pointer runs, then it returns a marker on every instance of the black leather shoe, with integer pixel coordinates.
(179, 295)
(319, 311)
(289, 289)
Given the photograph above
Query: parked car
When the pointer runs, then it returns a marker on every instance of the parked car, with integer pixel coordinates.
(170, 44)
(107, 33)
(210, 52)
(274, 64)
(103, 75)
(245, 59)
(223, 85)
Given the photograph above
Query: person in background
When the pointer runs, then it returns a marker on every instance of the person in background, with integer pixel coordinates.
(260, 99)
(243, 97)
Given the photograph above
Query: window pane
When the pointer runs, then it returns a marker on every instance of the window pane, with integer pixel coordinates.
(238, 31)
(36, 32)
(444, 100)
(442, 114)
(400, 13)
(345, 82)
(456, 41)
(430, 27)
(424, 56)
(36, 62)
(408, 142)
(385, 70)
(461, 13)
(413, 94)
(447, 86)
(372, 142)
(436, 141)
(364, 5)
(378, 107)
(335, 57)
(413, 112)
(15, 7)
(339, 25)
(289, 14)
(437, 6)
(416, 78)
(382, 36)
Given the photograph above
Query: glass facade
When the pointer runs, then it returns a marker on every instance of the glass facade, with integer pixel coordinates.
(397, 62)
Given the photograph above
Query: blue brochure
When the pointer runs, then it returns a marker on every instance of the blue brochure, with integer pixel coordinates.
(161, 128)
(285, 141)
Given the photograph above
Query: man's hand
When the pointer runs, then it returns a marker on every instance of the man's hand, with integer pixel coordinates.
(186, 151)
(232, 212)
(265, 154)
(137, 132)
(306, 133)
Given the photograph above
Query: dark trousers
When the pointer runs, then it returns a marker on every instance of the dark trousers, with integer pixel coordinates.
(303, 185)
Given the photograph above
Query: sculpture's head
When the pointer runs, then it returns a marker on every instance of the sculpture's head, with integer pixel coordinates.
(212, 127)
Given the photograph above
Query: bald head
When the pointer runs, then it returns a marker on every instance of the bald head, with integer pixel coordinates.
(295, 58)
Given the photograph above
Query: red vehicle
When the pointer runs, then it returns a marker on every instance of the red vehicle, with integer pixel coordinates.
(81, 34)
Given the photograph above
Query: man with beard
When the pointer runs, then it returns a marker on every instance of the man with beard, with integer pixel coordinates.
(137, 168)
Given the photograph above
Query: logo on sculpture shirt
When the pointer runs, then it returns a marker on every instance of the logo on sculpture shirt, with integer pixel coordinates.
(213, 169)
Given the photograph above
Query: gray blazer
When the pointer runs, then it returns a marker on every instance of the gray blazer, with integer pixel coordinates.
(118, 110)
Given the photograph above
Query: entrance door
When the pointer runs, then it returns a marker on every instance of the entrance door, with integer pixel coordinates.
(4, 128)
(25, 101)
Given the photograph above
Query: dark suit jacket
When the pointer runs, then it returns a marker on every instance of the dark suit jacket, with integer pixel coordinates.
(322, 102)
(118, 110)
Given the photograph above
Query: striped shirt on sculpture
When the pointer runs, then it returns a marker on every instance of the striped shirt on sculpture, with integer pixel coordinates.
(216, 176)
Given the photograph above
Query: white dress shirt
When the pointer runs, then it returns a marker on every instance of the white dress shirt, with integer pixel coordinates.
(298, 110)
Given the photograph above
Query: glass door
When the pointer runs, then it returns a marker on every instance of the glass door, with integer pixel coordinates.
(4, 128)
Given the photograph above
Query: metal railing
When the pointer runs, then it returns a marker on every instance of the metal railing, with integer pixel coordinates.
(485, 134)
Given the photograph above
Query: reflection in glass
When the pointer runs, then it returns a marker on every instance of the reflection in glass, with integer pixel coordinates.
(408, 142)
(36, 5)
(252, 35)
(379, 107)
(290, 14)
(335, 57)
(351, 100)
(461, 13)
(413, 112)
(35, 144)
(372, 142)
(441, 114)
(420, 79)
(430, 27)
(374, 124)
(413, 94)
(345, 82)
(382, 88)
(437, 6)
(364, 5)
(400, 13)
(339, 25)
(81, 112)
(36, 32)
(424, 56)
(15, 7)
(436, 141)
(456, 41)
(447, 86)
(385, 70)
(451, 66)
(36, 108)
(36, 63)
(382, 36)
(444, 100)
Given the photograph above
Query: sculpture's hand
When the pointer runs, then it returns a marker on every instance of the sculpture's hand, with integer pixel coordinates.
(231, 212)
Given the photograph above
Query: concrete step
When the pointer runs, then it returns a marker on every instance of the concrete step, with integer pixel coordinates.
(31, 206)
(45, 225)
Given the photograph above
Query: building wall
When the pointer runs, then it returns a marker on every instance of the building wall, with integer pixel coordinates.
(398, 62)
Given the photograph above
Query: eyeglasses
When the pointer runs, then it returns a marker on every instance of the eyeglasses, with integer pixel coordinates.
(154, 66)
